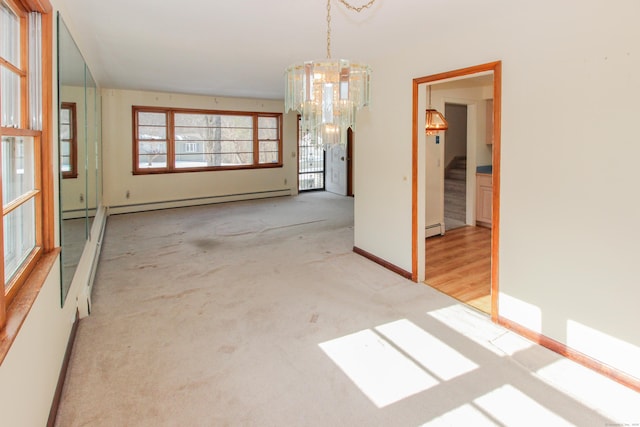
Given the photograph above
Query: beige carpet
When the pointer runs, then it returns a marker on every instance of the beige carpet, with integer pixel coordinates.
(259, 314)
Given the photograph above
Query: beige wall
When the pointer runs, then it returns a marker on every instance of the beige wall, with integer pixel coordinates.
(151, 191)
(569, 217)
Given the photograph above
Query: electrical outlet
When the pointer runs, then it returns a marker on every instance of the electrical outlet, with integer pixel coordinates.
(128, 194)
(81, 197)
(285, 181)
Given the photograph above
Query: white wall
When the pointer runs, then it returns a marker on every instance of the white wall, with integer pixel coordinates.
(150, 191)
(569, 214)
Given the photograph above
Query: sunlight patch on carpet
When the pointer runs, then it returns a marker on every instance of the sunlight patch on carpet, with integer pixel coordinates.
(433, 354)
(379, 370)
(509, 405)
(465, 415)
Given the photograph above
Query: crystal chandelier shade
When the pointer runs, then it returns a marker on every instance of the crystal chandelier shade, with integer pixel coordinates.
(327, 93)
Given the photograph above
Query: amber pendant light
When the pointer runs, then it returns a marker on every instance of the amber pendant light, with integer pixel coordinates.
(434, 121)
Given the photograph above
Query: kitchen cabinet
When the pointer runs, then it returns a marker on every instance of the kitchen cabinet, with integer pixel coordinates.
(489, 122)
(484, 199)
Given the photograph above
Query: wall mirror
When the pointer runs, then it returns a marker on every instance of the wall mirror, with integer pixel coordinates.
(79, 152)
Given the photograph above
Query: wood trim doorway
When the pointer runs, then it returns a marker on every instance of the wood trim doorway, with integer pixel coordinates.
(496, 68)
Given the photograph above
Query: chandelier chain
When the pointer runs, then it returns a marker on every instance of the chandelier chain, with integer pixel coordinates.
(348, 6)
(358, 8)
(328, 29)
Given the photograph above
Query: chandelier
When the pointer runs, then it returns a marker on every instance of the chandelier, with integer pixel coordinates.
(327, 93)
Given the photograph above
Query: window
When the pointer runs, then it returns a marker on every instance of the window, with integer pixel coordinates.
(68, 140)
(180, 140)
(27, 212)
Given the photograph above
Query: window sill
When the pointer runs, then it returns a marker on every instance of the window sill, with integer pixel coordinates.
(151, 171)
(21, 305)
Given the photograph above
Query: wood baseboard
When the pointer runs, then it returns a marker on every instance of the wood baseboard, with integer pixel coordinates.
(571, 354)
(53, 412)
(402, 272)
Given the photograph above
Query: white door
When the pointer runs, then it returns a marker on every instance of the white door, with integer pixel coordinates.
(336, 170)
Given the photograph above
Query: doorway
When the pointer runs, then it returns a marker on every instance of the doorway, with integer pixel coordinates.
(311, 162)
(455, 171)
(421, 152)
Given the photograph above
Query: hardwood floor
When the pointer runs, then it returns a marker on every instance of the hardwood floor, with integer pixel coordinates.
(459, 264)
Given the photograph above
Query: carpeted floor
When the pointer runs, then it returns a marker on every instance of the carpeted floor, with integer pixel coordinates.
(259, 314)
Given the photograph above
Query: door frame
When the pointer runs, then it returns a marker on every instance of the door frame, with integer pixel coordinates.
(496, 68)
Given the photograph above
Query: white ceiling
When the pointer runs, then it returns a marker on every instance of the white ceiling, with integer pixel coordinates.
(235, 47)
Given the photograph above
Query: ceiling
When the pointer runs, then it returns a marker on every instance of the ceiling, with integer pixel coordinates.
(234, 48)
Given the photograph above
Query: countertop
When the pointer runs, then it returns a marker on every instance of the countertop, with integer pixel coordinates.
(485, 169)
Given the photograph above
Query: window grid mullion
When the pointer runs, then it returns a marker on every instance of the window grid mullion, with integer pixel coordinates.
(24, 65)
(171, 141)
(256, 143)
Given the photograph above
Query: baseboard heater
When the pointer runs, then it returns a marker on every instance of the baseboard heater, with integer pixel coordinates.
(434, 229)
(194, 201)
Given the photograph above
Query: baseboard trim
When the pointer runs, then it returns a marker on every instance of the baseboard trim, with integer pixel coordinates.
(402, 272)
(53, 412)
(571, 354)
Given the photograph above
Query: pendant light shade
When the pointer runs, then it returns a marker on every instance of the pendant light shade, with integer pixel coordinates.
(434, 120)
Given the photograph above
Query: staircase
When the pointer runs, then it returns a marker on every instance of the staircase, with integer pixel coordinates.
(455, 193)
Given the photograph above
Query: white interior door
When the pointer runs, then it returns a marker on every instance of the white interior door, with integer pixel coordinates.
(336, 170)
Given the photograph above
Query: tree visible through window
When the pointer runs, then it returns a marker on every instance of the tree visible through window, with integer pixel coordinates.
(176, 140)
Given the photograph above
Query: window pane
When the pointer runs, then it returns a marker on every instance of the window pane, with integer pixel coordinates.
(229, 121)
(268, 134)
(237, 134)
(237, 159)
(19, 237)
(65, 156)
(269, 140)
(9, 35)
(152, 132)
(18, 172)
(196, 160)
(268, 122)
(268, 152)
(65, 131)
(65, 116)
(152, 119)
(152, 154)
(10, 85)
(205, 140)
(199, 120)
